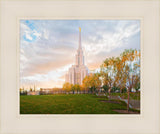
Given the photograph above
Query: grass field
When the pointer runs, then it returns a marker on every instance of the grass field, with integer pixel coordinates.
(68, 104)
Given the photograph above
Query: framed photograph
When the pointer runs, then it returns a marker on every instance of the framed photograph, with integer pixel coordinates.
(103, 74)
(80, 67)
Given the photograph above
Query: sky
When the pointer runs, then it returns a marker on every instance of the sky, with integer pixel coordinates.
(48, 47)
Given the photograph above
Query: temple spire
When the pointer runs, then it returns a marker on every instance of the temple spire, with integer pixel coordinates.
(79, 71)
(80, 46)
(79, 55)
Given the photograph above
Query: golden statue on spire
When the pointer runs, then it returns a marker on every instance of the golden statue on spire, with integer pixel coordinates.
(79, 29)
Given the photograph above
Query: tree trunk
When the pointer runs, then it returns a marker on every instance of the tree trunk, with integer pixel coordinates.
(128, 102)
(106, 93)
(109, 92)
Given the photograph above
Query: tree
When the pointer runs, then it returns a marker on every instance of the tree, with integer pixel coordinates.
(77, 87)
(34, 88)
(82, 88)
(105, 87)
(30, 89)
(108, 73)
(73, 88)
(41, 91)
(137, 83)
(85, 83)
(131, 61)
(120, 78)
(67, 86)
(122, 72)
(92, 82)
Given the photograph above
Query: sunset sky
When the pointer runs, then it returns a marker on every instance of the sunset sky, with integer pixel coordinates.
(48, 47)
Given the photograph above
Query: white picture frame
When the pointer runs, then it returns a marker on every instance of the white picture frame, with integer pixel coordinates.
(146, 11)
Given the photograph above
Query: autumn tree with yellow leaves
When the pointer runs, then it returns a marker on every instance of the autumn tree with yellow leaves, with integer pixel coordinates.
(92, 82)
(67, 86)
(108, 73)
(122, 71)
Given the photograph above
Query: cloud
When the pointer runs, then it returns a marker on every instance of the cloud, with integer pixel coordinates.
(54, 78)
(49, 45)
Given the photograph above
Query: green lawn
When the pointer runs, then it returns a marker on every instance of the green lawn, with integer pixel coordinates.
(68, 104)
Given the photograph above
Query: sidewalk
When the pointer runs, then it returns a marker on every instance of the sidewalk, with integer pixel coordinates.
(132, 103)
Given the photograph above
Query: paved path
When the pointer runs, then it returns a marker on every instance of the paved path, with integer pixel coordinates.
(133, 103)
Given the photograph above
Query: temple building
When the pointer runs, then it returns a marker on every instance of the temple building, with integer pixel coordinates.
(78, 71)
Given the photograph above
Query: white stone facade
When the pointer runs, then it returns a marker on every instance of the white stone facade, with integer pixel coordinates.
(78, 71)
